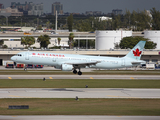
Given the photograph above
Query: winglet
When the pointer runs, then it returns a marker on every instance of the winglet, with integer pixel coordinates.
(137, 51)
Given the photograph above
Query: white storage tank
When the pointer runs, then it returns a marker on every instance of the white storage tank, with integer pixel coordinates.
(107, 39)
(153, 35)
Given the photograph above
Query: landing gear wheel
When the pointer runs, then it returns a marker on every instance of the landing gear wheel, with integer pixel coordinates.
(79, 73)
(75, 71)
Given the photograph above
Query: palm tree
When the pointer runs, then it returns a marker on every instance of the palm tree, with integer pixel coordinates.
(70, 42)
(59, 40)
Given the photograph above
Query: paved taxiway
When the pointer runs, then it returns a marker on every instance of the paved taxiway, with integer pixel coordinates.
(79, 117)
(80, 92)
(152, 77)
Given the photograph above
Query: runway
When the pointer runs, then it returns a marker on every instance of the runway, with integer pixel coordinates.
(79, 117)
(152, 77)
(80, 92)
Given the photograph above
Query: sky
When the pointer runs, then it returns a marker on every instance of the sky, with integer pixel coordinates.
(81, 6)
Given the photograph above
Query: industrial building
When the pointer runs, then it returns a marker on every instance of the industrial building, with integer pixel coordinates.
(108, 39)
(153, 35)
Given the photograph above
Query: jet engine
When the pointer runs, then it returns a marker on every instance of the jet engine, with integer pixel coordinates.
(66, 67)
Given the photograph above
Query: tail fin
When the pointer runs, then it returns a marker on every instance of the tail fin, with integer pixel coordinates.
(136, 52)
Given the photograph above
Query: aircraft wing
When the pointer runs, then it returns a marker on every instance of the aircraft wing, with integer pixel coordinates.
(82, 64)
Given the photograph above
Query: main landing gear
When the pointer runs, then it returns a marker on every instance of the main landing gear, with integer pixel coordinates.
(75, 72)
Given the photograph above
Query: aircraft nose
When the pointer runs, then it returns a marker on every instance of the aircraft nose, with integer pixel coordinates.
(12, 58)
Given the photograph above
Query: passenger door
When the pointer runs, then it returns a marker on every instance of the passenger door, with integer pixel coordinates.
(123, 62)
(26, 56)
(54, 59)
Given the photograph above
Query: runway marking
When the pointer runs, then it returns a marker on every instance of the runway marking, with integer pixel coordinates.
(119, 96)
(112, 96)
(131, 78)
(19, 96)
(14, 96)
(91, 78)
(50, 78)
(9, 78)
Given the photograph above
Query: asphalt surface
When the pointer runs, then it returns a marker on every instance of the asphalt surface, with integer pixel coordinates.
(79, 117)
(153, 77)
(80, 92)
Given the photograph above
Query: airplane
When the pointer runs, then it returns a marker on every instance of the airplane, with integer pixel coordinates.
(69, 62)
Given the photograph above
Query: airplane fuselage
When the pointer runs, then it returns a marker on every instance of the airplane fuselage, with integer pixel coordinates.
(68, 62)
(55, 59)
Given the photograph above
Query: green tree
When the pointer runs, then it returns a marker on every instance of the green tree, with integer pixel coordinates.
(70, 22)
(39, 27)
(44, 40)
(4, 46)
(117, 22)
(59, 40)
(127, 19)
(70, 42)
(1, 42)
(109, 25)
(27, 40)
(130, 42)
(48, 24)
(83, 25)
(143, 20)
(134, 20)
(156, 19)
(139, 20)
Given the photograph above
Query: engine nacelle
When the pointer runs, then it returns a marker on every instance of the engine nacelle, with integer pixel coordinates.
(66, 67)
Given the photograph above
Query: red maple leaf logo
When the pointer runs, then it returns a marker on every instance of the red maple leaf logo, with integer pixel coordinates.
(137, 52)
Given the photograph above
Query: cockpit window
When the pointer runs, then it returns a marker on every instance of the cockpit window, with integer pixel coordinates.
(18, 55)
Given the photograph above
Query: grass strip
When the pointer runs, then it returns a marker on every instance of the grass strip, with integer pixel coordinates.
(78, 83)
(47, 106)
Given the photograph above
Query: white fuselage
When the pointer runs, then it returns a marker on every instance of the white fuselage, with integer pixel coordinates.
(56, 59)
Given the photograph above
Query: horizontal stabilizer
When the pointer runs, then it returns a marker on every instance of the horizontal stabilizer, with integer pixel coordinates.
(138, 62)
(134, 63)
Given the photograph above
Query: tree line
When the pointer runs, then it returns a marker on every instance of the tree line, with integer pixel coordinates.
(135, 20)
